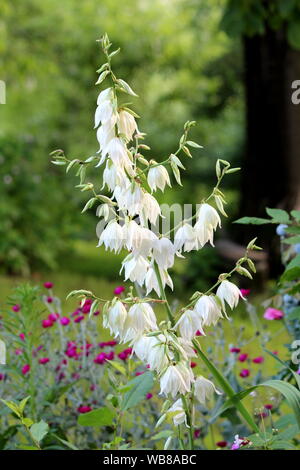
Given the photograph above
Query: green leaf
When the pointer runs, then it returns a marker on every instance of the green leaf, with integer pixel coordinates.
(117, 366)
(296, 215)
(252, 220)
(294, 263)
(13, 406)
(66, 443)
(279, 216)
(141, 385)
(291, 394)
(39, 430)
(292, 240)
(162, 435)
(100, 417)
(290, 274)
(23, 403)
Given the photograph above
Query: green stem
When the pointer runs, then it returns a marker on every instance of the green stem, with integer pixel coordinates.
(163, 295)
(225, 385)
(188, 421)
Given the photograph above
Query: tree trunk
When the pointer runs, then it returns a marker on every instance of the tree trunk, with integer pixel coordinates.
(271, 168)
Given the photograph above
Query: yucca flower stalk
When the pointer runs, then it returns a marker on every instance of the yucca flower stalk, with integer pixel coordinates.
(132, 215)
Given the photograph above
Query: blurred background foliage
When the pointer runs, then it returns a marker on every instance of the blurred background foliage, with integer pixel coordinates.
(183, 65)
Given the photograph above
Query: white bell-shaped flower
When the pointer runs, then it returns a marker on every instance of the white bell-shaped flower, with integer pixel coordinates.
(158, 177)
(126, 124)
(150, 209)
(135, 268)
(230, 293)
(112, 237)
(115, 319)
(151, 281)
(208, 310)
(157, 356)
(204, 389)
(141, 318)
(188, 324)
(163, 253)
(185, 238)
(208, 220)
(132, 199)
(117, 151)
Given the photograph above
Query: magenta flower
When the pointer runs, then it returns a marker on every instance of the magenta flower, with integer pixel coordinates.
(86, 306)
(93, 387)
(44, 360)
(258, 360)
(25, 369)
(2, 377)
(235, 350)
(193, 364)
(47, 323)
(245, 292)
(84, 409)
(198, 333)
(139, 373)
(48, 285)
(118, 290)
(244, 373)
(53, 316)
(273, 314)
(197, 433)
(22, 336)
(49, 300)
(243, 357)
(16, 308)
(64, 321)
(100, 359)
(149, 396)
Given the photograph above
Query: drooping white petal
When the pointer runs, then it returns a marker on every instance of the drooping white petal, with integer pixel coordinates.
(208, 310)
(204, 389)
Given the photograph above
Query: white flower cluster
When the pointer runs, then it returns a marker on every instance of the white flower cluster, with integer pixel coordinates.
(151, 255)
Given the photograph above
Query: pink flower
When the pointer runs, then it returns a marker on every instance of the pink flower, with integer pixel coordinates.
(47, 323)
(107, 343)
(64, 321)
(235, 350)
(22, 336)
(193, 364)
(258, 360)
(18, 352)
(197, 433)
(25, 369)
(16, 308)
(79, 319)
(48, 285)
(148, 396)
(2, 377)
(245, 292)
(273, 314)
(44, 360)
(49, 300)
(244, 373)
(93, 387)
(53, 316)
(243, 357)
(139, 373)
(84, 409)
(118, 290)
(198, 333)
